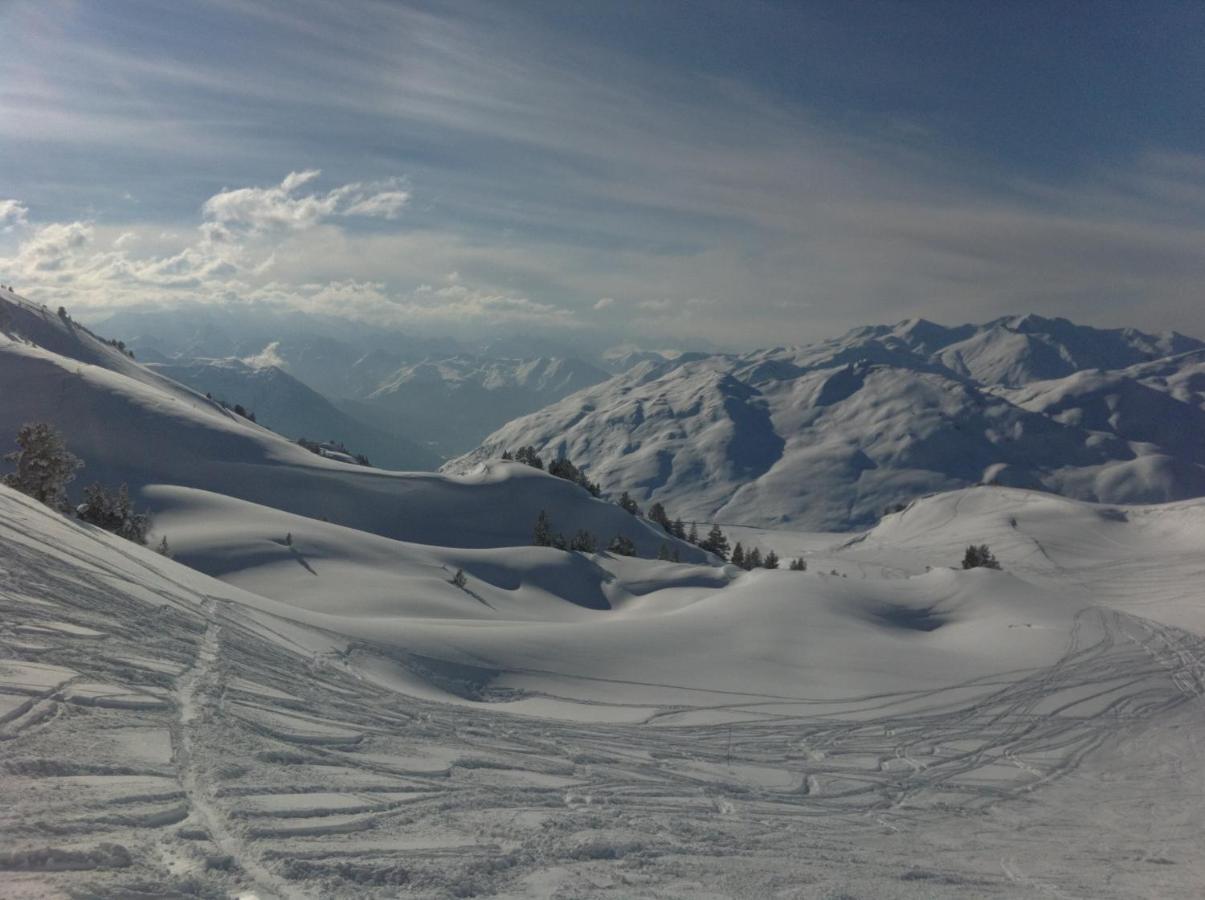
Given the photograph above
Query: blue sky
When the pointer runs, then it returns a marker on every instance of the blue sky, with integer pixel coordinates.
(744, 173)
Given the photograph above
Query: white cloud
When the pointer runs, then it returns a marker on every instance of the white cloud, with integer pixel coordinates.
(385, 205)
(282, 208)
(604, 302)
(266, 358)
(263, 209)
(13, 214)
(277, 245)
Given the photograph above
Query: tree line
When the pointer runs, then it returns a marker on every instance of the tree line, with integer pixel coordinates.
(715, 541)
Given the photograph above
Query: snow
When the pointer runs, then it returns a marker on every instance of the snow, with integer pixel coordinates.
(927, 733)
(294, 707)
(825, 437)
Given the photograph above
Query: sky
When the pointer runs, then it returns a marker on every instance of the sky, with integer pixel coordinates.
(741, 174)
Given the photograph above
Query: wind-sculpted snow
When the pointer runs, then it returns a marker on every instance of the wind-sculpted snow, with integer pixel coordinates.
(829, 435)
(944, 735)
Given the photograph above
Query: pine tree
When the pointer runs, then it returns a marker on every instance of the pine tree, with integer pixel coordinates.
(542, 535)
(716, 543)
(113, 511)
(44, 465)
(771, 561)
(559, 542)
(678, 530)
(529, 456)
(163, 549)
(738, 555)
(507, 456)
(663, 552)
(798, 565)
(628, 504)
(583, 541)
(657, 514)
(459, 579)
(622, 545)
(753, 559)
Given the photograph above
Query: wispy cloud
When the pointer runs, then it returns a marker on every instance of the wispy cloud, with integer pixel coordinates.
(609, 169)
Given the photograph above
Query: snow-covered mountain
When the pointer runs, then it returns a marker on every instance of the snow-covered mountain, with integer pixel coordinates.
(459, 400)
(829, 435)
(306, 701)
(289, 407)
(434, 391)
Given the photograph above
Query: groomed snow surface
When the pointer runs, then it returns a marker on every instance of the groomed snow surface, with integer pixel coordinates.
(334, 718)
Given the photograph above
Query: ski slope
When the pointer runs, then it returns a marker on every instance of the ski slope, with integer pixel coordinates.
(598, 727)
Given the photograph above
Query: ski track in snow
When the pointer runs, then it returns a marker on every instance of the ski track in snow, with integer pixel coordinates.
(300, 778)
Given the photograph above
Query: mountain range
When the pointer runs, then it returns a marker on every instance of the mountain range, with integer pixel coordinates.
(828, 436)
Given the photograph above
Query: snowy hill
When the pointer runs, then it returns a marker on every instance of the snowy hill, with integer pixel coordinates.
(130, 424)
(702, 733)
(288, 407)
(828, 436)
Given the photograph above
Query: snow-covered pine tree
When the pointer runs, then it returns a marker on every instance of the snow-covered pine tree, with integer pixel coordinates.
(44, 465)
(771, 561)
(113, 511)
(753, 559)
(738, 555)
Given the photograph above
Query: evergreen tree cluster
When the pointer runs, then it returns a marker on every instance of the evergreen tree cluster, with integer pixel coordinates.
(543, 534)
(584, 541)
(979, 557)
(113, 511)
(753, 559)
(562, 467)
(44, 468)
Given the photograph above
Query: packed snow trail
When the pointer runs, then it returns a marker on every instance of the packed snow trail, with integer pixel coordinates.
(198, 695)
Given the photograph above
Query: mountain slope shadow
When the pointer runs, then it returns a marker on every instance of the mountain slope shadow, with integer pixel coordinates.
(755, 446)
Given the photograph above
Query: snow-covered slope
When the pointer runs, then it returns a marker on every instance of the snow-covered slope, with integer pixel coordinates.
(828, 436)
(289, 407)
(898, 732)
(132, 425)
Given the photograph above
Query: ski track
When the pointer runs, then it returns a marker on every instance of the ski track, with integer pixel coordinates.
(298, 778)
